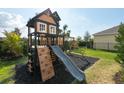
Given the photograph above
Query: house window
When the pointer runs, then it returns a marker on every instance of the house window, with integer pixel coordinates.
(42, 27)
(52, 29)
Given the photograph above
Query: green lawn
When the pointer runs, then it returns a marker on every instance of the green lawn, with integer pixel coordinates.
(104, 69)
(7, 69)
(101, 72)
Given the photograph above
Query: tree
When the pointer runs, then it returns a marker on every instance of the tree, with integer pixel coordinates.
(60, 31)
(25, 47)
(87, 36)
(65, 28)
(120, 43)
(79, 39)
(66, 33)
(17, 31)
(12, 43)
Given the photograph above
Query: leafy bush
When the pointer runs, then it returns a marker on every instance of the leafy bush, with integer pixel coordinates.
(12, 44)
(88, 44)
(1, 47)
(25, 47)
(120, 44)
(66, 45)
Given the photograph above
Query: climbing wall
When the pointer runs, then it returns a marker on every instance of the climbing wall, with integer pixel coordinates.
(46, 66)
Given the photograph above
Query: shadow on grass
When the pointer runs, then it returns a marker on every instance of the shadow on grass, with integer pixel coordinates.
(7, 69)
(6, 80)
(4, 63)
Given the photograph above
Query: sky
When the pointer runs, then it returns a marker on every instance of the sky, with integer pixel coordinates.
(79, 20)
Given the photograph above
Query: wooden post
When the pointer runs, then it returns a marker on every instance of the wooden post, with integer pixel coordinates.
(63, 40)
(36, 76)
(40, 39)
(47, 40)
(57, 36)
(29, 39)
(48, 32)
(53, 40)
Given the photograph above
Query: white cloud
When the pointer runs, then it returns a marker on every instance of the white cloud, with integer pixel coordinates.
(9, 21)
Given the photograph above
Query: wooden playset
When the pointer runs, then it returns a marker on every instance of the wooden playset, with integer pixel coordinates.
(45, 45)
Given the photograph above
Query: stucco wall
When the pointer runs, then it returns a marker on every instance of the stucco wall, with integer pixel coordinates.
(104, 42)
(105, 38)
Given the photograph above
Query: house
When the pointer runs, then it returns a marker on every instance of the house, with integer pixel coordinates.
(46, 23)
(105, 39)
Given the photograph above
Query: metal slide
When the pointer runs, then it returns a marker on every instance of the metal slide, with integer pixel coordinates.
(69, 64)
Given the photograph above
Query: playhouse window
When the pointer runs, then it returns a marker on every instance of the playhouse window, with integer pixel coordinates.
(42, 27)
(52, 29)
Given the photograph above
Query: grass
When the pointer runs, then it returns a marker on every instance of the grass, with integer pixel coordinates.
(101, 72)
(104, 69)
(7, 69)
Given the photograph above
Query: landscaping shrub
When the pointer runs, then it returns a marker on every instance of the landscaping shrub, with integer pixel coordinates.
(120, 52)
(88, 44)
(25, 47)
(82, 43)
(66, 45)
(120, 44)
(12, 45)
(1, 48)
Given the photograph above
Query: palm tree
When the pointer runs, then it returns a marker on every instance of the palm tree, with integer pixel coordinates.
(60, 31)
(65, 28)
(17, 31)
(68, 33)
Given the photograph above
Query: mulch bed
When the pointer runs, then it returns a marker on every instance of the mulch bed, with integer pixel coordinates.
(62, 76)
(24, 77)
(83, 62)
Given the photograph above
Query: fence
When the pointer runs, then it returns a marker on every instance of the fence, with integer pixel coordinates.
(105, 46)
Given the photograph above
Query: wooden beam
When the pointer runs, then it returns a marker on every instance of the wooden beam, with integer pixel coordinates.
(35, 63)
(28, 40)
